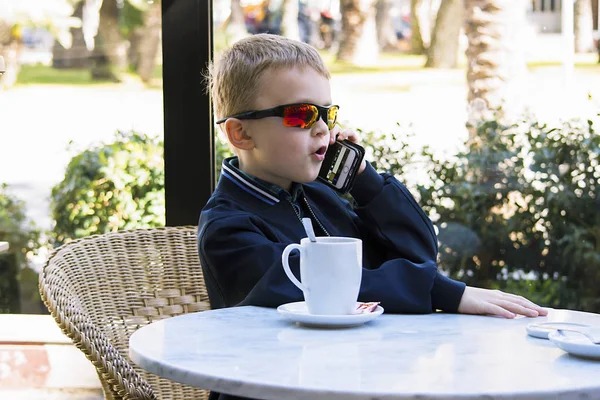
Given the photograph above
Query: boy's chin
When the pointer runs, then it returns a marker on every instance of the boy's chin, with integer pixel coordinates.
(307, 178)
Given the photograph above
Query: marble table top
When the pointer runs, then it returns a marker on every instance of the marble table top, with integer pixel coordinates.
(3, 247)
(255, 352)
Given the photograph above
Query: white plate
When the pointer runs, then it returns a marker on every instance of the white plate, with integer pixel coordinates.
(575, 344)
(298, 312)
(542, 329)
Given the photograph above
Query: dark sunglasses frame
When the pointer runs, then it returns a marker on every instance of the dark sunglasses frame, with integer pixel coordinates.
(279, 111)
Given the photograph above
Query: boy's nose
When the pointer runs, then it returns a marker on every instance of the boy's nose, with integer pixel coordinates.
(320, 128)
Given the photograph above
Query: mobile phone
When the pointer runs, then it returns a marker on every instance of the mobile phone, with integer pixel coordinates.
(341, 164)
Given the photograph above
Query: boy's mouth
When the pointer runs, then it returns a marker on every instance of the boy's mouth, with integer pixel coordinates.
(319, 155)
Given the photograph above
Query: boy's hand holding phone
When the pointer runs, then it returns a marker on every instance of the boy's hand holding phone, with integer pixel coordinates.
(347, 134)
(344, 160)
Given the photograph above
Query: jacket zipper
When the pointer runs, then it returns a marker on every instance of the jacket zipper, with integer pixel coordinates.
(311, 213)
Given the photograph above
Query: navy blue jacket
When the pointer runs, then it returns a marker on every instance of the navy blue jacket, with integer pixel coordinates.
(246, 224)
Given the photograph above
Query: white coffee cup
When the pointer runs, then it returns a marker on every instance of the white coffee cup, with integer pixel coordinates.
(330, 271)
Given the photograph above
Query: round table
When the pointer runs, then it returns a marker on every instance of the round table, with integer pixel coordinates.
(255, 352)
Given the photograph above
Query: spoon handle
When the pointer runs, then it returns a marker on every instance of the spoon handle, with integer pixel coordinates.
(309, 229)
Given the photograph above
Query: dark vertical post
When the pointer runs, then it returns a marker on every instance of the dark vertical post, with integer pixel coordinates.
(188, 126)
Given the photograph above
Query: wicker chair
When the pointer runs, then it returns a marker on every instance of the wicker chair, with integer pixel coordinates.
(102, 288)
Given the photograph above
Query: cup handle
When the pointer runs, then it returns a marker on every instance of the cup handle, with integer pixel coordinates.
(286, 266)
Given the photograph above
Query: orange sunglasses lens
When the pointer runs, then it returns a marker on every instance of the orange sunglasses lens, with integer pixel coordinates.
(300, 116)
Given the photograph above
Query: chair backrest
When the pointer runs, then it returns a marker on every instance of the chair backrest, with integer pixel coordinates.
(102, 288)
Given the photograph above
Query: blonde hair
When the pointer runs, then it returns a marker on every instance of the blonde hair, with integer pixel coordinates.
(233, 79)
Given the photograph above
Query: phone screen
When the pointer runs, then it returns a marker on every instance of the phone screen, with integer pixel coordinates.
(338, 161)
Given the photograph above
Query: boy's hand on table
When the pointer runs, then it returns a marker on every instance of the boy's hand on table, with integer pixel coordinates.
(352, 136)
(494, 302)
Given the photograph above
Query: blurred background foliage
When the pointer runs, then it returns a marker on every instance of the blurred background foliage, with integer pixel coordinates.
(24, 239)
(109, 187)
(517, 210)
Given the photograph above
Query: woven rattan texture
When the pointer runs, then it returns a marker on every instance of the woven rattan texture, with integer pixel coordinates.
(102, 288)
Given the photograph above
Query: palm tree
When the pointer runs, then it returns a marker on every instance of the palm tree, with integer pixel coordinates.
(443, 51)
(149, 41)
(386, 35)
(358, 44)
(584, 26)
(77, 55)
(289, 19)
(416, 38)
(495, 60)
(110, 54)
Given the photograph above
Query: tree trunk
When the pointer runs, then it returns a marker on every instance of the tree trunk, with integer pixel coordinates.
(289, 19)
(109, 57)
(149, 42)
(496, 61)
(584, 26)
(234, 25)
(358, 44)
(77, 56)
(445, 39)
(416, 39)
(10, 48)
(386, 35)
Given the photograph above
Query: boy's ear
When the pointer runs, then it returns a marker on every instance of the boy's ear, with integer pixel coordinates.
(237, 134)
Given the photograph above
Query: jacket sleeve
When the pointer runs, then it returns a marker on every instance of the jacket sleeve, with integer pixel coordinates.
(406, 233)
(241, 260)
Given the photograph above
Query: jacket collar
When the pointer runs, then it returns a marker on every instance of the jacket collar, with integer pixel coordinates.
(263, 190)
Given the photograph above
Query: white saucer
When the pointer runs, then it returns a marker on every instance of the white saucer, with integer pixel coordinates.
(298, 312)
(542, 329)
(575, 344)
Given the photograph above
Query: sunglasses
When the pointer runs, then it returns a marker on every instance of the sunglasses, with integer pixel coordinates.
(299, 115)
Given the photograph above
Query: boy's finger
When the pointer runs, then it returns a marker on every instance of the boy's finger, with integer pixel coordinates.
(527, 303)
(493, 309)
(333, 134)
(518, 308)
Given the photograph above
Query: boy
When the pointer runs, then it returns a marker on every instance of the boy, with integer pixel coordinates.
(263, 193)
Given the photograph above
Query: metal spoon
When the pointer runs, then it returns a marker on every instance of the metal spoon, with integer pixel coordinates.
(591, 333)
(309, 229)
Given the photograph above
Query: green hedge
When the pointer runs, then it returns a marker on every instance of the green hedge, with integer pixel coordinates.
(110, 187)
(24, 239)
(517, 210)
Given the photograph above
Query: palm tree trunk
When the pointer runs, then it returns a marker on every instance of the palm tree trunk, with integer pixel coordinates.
(77, 56)
(358, 44)
(416, 38)
(584, 26)
(109, 55)
(443, 51)
(386, 36)
(495, 58)
(289, 19)
(149, 42)
(234, 25)
(10, 48)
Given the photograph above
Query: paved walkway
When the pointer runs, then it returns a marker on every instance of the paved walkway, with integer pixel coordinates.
(55, 394)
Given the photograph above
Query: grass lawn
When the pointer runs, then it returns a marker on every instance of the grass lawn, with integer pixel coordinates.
(388, 62)
(42, 75)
